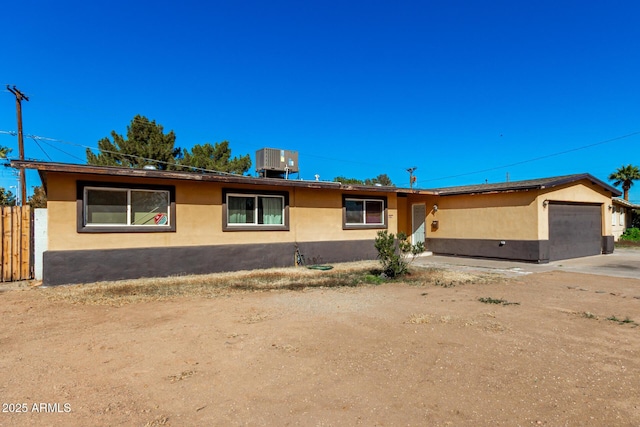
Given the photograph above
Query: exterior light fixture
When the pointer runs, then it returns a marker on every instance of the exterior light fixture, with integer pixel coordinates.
(545, 203)
(435, 208)
(610, 207)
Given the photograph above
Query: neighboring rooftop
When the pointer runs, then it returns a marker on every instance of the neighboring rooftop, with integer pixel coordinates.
(530, 184)
(625, 203)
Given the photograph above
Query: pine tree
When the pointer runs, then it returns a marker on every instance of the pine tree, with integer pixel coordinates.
(7, 198)
(38, 199)
(216, 157)
(382, 179)
(146, 144)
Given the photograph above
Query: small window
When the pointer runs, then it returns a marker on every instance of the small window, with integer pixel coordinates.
(364, 213)
(255, 210)
(124, 209)
(248, 211)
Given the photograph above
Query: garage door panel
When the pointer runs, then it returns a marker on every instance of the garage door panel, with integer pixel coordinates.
(575, 230)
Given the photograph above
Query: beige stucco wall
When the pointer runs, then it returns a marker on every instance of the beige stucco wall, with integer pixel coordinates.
(622, 217)
(405, 210)
(314, 215)
(484, 216)
(518, 215)
(580, 192)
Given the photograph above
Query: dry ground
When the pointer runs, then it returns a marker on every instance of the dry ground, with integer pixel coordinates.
(543, 349)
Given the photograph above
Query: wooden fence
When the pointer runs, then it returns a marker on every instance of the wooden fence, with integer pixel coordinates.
(17, 243)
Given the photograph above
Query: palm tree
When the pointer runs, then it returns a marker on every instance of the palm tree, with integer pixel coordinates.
(625, 175)
(4, 151)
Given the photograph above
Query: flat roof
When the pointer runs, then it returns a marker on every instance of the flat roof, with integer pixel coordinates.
(44, 167)
(625, 203)
(531, 184)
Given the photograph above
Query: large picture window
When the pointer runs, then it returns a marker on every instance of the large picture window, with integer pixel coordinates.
(125, 209)
(364, 212)
(255, 211)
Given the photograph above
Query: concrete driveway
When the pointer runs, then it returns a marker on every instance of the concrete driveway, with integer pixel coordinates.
(621, 263)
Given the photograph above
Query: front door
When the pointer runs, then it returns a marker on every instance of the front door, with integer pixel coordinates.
(418, 218)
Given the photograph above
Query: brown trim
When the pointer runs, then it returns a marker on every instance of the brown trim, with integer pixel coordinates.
(521, 250)
(252, 227)
(82, 228)
(220, 177)
(88, 266)
(385, 209)
(607, 244)
(526, 185)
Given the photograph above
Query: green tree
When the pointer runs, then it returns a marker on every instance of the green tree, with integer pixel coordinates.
(4, 151)
(382, 179)
(344, 180)
(625, 175)
(635, 218)
(38, 199)
(216, 157)
(7, 198)
(146, 144)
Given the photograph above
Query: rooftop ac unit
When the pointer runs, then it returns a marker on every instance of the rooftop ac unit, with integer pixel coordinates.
(273, 162)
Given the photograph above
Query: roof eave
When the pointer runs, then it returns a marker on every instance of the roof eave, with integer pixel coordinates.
(45, 167)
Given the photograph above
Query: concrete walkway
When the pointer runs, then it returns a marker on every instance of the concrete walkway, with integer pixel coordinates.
(621, 263)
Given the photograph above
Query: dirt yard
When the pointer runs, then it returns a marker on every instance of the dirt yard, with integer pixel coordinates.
(549, 349)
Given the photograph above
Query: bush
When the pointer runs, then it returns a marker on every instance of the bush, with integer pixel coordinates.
(394, 253)
(631, 235)
(635, 218)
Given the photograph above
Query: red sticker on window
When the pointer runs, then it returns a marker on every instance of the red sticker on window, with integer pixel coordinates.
(161, 219)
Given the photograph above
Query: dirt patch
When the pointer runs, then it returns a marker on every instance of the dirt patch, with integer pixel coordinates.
(426, 352)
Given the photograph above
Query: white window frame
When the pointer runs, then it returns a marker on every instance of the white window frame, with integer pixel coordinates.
(364, 212)
(256, 222)
(127, 190)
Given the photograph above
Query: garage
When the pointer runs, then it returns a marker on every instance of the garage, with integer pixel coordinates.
(575, 230)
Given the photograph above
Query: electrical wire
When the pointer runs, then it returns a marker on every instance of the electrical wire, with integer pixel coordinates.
(539, 158)
(44, 140)
(39, 146)
(559, 153)
(132, 156)
(144, 120)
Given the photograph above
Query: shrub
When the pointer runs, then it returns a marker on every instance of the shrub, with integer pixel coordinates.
(396, 254)
(635, 218)
(631, 234)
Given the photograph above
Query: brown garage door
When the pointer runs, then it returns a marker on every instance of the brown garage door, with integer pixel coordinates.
(575, 230)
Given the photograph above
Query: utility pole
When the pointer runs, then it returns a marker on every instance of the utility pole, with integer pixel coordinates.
(23, 181)
(412, 179)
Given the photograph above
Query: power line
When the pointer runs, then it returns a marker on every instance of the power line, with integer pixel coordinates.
(39, 146)
(44, 139)
(540, 157)
(56, 148)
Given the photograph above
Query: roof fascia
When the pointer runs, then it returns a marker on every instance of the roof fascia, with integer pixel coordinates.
(550, 184)
(46, 167)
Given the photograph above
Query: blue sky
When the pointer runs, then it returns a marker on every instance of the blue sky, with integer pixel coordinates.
(466, 91)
